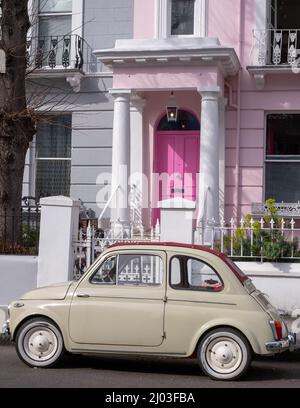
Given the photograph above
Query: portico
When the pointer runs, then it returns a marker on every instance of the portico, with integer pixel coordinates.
(144, 74)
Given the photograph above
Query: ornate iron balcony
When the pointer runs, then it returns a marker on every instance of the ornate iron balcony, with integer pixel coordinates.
(275, 47)
(68, 52)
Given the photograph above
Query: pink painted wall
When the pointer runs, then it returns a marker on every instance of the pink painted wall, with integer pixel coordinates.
(144, 19)
(281, 94)
(167, 77)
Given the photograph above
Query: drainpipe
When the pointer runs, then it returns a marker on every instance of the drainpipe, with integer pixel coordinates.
(238, 126)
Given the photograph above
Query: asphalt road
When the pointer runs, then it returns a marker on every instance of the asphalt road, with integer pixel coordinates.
(129, 372)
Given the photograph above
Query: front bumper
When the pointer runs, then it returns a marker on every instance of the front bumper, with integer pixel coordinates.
(5, 329)
(282, 345)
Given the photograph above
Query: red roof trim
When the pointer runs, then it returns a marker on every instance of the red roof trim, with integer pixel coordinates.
(166, 244)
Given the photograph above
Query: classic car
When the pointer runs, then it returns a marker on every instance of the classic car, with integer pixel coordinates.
(159, 299)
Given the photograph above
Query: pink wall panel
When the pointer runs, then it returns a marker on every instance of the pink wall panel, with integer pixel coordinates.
(251, 176)
(252, 138)
(230, 211)
(230, 119)
(144, 19)
(230, 157)
(272, 100)
(230, 196)
(252, 119)
(166, 77)
(230, 138)
(249, 195)
(251, 157)
(230, 177)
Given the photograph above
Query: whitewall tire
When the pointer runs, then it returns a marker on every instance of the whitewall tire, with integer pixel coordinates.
(224, 354)
(39, 343)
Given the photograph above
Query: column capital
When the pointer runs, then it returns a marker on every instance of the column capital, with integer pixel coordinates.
(120, 93)
(210, 92)
(137, 103)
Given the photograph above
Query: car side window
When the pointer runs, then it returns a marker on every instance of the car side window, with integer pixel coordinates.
(141, 269)
(193, 274)
(106, 273)
(202, 276)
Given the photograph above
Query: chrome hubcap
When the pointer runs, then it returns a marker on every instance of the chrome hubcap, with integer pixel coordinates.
(224, 355)
(40, 344)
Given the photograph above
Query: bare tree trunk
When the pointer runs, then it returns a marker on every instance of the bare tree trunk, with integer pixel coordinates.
(17, 125)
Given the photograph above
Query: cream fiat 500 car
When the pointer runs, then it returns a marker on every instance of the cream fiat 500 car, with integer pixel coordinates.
(152, 299)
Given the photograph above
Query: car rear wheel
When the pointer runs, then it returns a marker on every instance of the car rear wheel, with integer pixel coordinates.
(224, 354)
(39, 343)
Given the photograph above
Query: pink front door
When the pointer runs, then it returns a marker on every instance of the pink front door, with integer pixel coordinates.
(176, 164)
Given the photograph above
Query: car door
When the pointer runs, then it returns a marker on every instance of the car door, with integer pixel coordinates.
(197, 294)
(121, 302)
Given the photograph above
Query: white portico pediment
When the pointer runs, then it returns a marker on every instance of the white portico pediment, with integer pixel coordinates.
(172, 51)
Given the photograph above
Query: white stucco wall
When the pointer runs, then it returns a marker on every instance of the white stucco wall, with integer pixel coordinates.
(18, 274)
(280, 281)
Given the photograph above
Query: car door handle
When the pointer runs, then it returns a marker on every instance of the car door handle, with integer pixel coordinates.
(83, 295)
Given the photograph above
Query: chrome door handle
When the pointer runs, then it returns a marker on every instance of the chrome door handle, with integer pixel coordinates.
(83, 295)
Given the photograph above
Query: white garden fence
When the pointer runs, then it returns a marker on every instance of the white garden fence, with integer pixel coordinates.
(264, 240)
(249, 239)
(92, 242)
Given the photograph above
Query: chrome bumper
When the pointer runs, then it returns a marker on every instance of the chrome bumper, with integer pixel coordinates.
(282, 345)
(5, 329)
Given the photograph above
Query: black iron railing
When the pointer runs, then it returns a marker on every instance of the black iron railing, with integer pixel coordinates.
(19, 228)
(62, 52)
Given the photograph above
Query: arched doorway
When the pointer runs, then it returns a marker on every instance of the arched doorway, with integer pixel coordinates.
(176, 159)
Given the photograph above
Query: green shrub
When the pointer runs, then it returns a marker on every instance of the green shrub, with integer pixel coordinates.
(266, 244)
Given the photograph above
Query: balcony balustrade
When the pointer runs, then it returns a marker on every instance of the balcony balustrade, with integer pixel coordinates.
(276, 47)
(59, 54)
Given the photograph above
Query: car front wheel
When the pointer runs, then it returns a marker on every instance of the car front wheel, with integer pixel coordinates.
(39, 343)
(224, 354)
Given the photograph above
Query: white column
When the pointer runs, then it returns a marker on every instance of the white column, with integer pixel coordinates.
(208, 199)
(120, 159)
(222, 106)
(137, 131)
(58, 230)
(137, 156)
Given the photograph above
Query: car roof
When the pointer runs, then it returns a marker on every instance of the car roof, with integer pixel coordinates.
(166, 244)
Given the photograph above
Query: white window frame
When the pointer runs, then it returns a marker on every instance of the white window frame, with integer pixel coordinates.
(163, 19)
(76, 24)
(77, 17)
(271, 160)
(33, 160)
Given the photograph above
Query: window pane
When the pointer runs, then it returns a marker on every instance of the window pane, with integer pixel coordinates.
(201, 276)
(52, 6)
(106, 274)
(140, 270)
(53, 139)
(175, 272)
(51, 32)
(56, 26)
(52, 178)
(283, 134)
(182, 17)
(282, 182)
